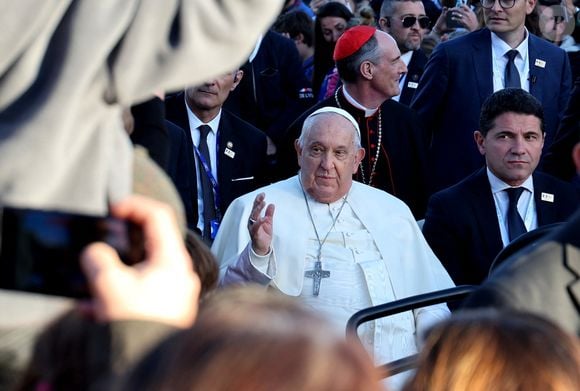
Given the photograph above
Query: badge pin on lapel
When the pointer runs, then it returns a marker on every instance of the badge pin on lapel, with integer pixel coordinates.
(540, 63)
(548, 197)
(229, 153)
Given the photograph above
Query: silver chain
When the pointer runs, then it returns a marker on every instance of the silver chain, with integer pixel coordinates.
(320, 243)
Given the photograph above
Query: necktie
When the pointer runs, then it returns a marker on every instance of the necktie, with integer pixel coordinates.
(516, 226)
(206, 186)
(512, 76)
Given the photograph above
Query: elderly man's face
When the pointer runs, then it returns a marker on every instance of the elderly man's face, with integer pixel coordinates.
(389, 69)
(512, 148)
(328, 158)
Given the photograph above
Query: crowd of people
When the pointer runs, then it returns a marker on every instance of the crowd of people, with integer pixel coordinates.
(289, 163)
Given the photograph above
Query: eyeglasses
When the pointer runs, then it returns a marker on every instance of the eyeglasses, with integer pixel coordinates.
(409, 21)
(505, 4)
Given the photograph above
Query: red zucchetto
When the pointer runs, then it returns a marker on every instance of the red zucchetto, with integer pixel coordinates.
(352, 40)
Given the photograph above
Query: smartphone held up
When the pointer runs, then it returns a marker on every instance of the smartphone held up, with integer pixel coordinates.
(40, 250)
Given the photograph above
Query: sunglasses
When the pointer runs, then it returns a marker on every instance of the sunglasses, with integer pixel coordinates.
(409, 21)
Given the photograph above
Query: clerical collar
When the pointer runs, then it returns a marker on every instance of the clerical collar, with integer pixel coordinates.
(497, 185)
(352, 101)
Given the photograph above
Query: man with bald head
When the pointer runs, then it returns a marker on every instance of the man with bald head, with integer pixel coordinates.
(370, 67)
(338, 244)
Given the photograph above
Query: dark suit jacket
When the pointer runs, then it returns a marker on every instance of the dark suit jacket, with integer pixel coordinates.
(558, 158)
(414, 73)
(457, 80)
(250, 160)
(274, 90)
(545, 281)
(462, 228)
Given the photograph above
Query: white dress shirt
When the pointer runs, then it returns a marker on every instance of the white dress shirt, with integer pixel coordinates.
(498, 50)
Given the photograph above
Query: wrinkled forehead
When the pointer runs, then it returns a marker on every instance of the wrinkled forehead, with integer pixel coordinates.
(329, 127)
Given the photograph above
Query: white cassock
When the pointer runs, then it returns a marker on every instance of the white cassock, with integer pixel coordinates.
(375, 254)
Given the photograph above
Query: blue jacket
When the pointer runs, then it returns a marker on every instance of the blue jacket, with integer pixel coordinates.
(457, 80)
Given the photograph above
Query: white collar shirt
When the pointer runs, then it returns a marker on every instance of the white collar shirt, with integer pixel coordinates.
(499, 61)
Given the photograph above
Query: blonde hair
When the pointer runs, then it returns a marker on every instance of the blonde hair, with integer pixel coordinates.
(491, 350)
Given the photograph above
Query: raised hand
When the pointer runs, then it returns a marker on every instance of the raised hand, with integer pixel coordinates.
(261, 227)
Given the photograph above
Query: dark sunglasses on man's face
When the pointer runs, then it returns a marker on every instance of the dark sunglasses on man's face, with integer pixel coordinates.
(409, 21)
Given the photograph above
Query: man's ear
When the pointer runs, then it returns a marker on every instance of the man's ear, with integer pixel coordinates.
(298, 149)
(480, 141)
(299, 37)
(385, 24)
(358, 157)
(237, 78)
(366, 70)
(530, 5)
(576, 157)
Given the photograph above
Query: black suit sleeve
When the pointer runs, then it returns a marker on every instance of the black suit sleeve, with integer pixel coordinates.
(558, 160)
(446, 237)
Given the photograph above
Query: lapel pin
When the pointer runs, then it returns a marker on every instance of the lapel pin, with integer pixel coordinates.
(229, 144)
(415, 77)
(547, 197)
(540, 63)
(412, 84)
(229, 153)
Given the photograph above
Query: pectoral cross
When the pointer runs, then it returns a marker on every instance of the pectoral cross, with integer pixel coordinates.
(317, 275)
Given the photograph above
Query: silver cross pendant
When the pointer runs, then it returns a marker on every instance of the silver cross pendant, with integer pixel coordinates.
(317, 275)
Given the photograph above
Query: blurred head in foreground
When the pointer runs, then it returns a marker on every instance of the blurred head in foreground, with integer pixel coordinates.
(490, 350)
(251, 339)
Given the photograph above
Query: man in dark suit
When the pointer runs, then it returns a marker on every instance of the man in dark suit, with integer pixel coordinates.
(462, 72)
(468, 224)
(369, 64)
(237, 162)
(405, 21)
(275, 90)
(545, 280)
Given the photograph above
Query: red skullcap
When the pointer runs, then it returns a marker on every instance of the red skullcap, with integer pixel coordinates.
(352, 40)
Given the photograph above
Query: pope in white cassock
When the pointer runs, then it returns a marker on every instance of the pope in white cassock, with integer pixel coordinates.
(339, 245)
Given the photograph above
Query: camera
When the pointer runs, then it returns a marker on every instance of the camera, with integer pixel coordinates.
(40, 250)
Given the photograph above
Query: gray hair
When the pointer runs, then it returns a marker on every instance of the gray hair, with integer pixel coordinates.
(389, 5)
(349, 67)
